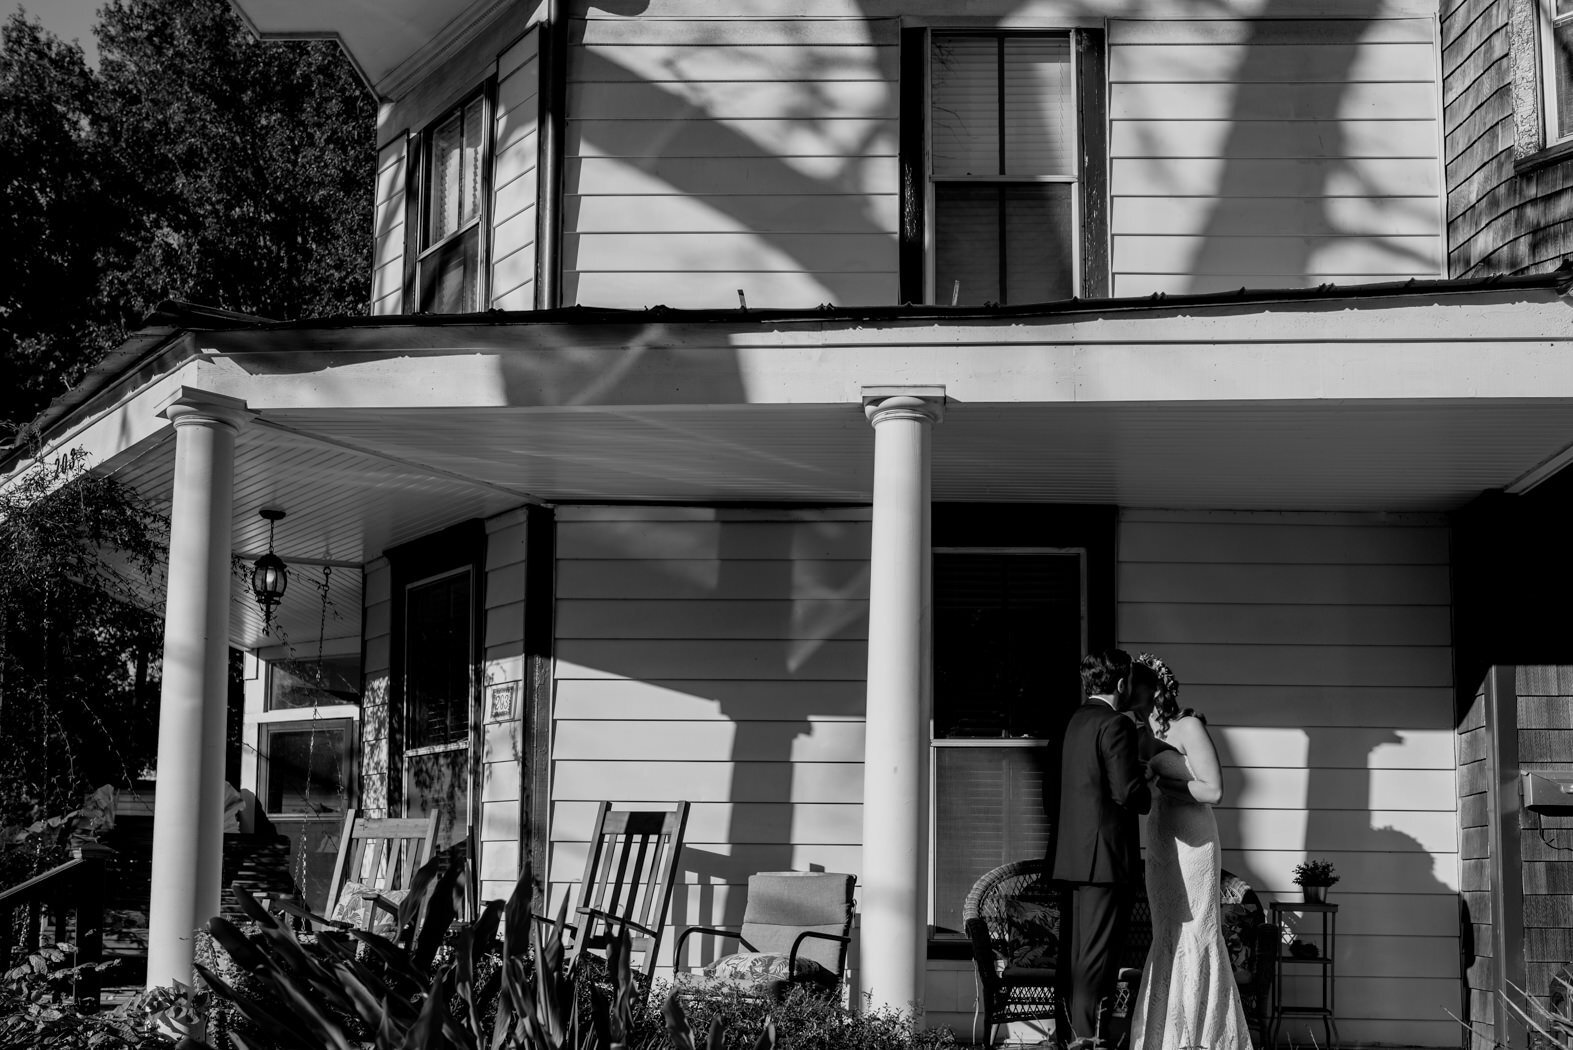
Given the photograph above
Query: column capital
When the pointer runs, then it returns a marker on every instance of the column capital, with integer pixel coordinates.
(193, 405)
(923, 403)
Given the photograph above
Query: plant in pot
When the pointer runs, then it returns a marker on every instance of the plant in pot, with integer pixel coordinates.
(1313, 877)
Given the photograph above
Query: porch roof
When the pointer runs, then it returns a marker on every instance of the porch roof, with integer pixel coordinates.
(374, 431)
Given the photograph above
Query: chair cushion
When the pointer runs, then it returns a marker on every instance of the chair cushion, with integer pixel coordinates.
(751, 969)
(1239, 925)
(783, 904)
(1032, 934)
(355, 906)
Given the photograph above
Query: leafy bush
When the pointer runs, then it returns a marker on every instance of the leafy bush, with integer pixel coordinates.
(804, 1020)
(36, 1025)
(441, 985)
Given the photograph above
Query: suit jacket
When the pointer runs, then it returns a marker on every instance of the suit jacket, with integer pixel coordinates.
(1103, 789)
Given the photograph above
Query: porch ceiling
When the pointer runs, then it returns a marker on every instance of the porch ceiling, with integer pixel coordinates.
(357, 482)
(1366, 456)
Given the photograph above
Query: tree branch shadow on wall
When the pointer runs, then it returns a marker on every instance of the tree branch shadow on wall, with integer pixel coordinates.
(1409, 901)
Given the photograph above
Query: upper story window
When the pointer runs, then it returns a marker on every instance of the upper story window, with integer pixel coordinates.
(1012, 173)
(450, 210)
(1556, 20)
(1002, 167)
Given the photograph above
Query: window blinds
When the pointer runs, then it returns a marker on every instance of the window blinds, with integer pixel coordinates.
(1001, 106)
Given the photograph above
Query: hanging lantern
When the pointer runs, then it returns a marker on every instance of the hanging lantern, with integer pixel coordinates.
(269, 574)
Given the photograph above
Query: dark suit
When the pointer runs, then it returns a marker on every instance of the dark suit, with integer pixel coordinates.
(1103, 789)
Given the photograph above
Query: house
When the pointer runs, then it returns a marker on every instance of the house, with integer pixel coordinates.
(766, 405)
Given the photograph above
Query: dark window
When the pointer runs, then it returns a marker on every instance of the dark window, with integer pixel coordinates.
(308, 770)
(322, 682)
(1009, 632)
(1012, 173)
(438, 650)
(455, 154)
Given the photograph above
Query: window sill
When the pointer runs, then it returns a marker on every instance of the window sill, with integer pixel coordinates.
(948, 946)
(1553, 154)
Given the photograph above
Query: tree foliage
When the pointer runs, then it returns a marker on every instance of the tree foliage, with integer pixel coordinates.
(195, 163)
(78, 668)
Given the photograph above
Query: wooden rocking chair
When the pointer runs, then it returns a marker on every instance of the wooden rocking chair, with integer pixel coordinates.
(629, 874)
(378, 859)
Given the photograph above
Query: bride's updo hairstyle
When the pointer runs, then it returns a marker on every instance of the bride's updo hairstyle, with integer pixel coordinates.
(1166, 701)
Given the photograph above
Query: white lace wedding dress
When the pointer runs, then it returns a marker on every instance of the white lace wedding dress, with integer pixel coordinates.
(1188, 999)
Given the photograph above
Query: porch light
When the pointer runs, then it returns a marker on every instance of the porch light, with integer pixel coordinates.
(269, 575)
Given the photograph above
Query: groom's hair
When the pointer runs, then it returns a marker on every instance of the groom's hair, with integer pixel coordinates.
(1101, 672)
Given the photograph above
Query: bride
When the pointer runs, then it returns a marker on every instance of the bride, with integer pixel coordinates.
(1187, 997)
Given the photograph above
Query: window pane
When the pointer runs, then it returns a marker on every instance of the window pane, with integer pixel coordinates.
(966, 243)
(313, 683)
(1007, 643)
(988, 811)
(439, 780)
(445, 179)
(1038, 242)
(307, 770)
(1039, 239)
(472, 162)
(964, 105)
(450, 276)
(1038, 115)
(437, 655)
(1562, 46)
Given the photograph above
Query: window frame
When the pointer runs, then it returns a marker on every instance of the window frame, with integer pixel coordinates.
(1089, 234)
(931, 180)
(1546, 23)
(461, 546)
(406, 734)
(418, 198)
(339, 719)
(1083, 554)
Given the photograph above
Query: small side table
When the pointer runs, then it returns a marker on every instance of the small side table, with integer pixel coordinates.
(1324, 963)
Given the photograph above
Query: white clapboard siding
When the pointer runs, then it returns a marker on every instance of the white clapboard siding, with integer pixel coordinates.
(715, 656)
(387, 276)
(375, 671)
(502, 758)
(1319, 648)
(710, 155)
(1294, 152)
(515, 185)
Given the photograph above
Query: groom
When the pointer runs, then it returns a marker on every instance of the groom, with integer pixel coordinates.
(1103, 790)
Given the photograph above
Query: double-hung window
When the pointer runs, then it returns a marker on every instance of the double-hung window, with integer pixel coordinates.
(449, 210)
(1556, 68)
(439, 697)
(1011, 176)
(1010, 626)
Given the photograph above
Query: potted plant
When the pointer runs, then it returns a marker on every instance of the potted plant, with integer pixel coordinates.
(1314, 876)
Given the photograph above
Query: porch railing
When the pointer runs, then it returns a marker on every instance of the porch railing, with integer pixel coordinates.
(73, 888)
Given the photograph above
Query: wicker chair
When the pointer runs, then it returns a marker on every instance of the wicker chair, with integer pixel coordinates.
(1012, 917)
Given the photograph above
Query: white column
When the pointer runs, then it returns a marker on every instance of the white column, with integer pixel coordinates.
(188, 812)
(895, 759)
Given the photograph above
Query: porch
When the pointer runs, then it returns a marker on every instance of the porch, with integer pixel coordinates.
(697, 571)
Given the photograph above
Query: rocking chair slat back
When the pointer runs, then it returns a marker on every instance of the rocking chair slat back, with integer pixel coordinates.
(629, 875)
(381, 854)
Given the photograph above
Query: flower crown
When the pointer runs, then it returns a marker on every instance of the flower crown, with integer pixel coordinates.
(1166, 679)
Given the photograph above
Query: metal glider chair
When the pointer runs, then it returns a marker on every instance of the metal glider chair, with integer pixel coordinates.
(796, 929)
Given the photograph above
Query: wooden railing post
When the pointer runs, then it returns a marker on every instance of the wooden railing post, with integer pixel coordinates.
(90, 889)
